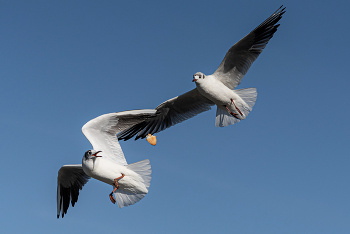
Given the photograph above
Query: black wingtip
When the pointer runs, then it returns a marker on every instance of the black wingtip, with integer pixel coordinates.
(281, 10)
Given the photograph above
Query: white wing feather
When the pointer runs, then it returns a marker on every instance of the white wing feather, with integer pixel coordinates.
(101, 132)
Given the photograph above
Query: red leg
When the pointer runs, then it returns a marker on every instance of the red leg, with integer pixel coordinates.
(116, 187)
(116, 181)
(233, 114)
(111, 196)
(236, 107)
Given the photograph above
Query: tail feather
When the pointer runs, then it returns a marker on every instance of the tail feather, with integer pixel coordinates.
(125, 198)
(223, 118)
(249, 96)
(143, 169)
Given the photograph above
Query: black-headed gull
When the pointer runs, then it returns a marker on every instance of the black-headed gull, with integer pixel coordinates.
(106, 162)
(218, 88)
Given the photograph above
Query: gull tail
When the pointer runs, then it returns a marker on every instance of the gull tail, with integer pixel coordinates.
(223, 118)
(143, 169)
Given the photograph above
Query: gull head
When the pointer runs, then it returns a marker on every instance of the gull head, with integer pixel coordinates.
(90, 154)
(198, 77)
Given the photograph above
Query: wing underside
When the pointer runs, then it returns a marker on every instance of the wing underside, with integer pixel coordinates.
(101, 132)
(241, 55)
(70, 179)
(169, 113)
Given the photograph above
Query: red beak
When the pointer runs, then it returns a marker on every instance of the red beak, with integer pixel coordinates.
(95, 154)
(194, 80)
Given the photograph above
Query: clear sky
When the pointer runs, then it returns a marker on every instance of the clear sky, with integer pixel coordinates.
(284, 169)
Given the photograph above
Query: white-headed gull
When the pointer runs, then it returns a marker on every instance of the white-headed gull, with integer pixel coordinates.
(106, 162)
(218, 88)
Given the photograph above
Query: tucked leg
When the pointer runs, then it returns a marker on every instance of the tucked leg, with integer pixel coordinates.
(236, 107)
(233, 114)
(116, 187)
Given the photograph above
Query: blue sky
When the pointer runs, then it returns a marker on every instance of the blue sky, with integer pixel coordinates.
(285, 169)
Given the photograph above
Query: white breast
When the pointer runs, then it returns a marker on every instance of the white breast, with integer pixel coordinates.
(106, 171)
(103, 170)
(215, 91)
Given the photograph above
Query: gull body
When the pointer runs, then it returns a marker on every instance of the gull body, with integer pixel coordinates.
(219, 94)
(106, 171)
(217, 89)
(106, 163)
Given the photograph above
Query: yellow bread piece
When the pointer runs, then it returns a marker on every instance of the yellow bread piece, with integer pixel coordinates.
(151, 139)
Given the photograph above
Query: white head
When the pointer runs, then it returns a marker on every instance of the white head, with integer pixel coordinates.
(198, 77)
(90, 154)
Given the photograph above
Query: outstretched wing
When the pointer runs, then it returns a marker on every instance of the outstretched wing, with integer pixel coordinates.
(101, 131)
(70, 179)
(241, 55)
(169, 113)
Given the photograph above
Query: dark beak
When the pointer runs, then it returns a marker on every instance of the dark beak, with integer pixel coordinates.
(95, 154)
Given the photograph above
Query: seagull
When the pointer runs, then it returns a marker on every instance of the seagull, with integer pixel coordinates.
(216, 89)
(106, 163)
